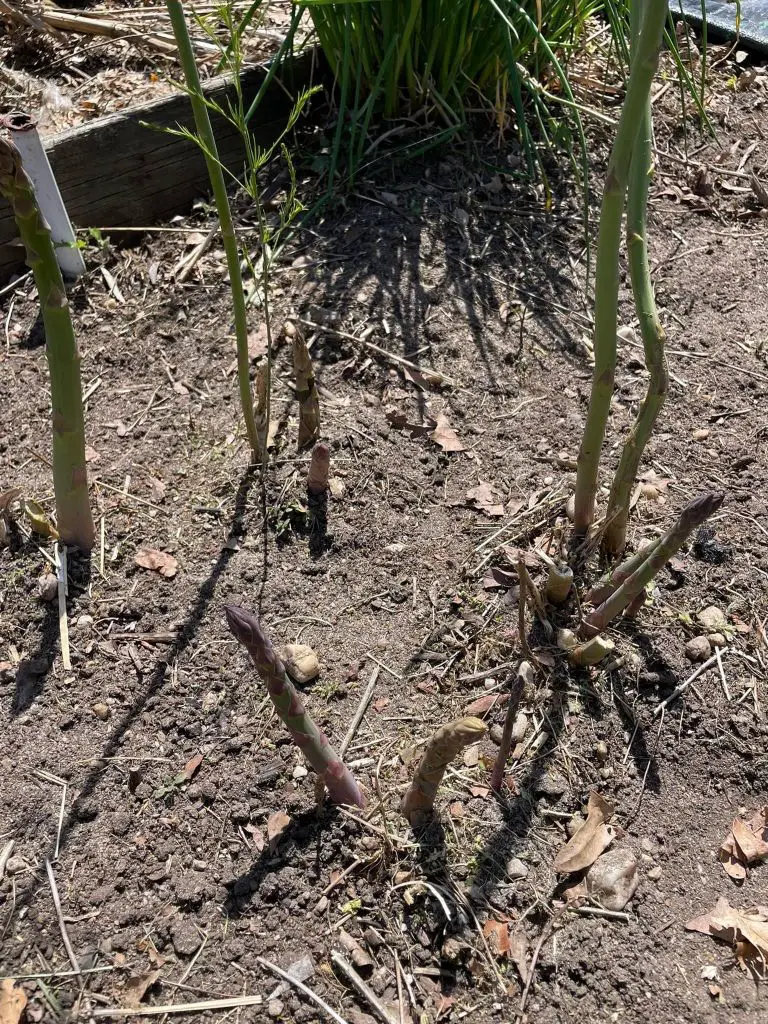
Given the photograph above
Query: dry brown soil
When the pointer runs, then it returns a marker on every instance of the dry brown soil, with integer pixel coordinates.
(454, 265)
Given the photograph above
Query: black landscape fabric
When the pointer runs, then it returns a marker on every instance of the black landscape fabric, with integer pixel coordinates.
(721, 18)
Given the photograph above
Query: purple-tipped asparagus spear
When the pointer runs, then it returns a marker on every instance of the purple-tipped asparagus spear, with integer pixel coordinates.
(312, 741)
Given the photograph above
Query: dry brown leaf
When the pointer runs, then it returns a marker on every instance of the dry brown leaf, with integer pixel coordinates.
(190, 768)
(446, 436)
(8, 497)
(157, 489)
(257, 836)
(13, 1000)
(137, 987)
(277, 824)
(400, 421)
(481, 791)
(747, 929)
(480, 707)
(485, 497)
(257, 343)
(594, 836)
(497, 934)
(158, 561)
(457, 809)
(745, 844)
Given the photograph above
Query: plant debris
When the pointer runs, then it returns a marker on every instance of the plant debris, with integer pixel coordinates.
(745, 930)
(158, 561)
(594, 836)
(745, 844)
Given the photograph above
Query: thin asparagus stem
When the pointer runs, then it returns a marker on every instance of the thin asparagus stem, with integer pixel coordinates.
(228, 236)
(640, 173)
(607, 263)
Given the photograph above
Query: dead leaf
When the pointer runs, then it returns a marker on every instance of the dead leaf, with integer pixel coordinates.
(357, 953)
(257, 836)
(400, 421)
(471, 755)
(137, 987)
(257, 343)
(190, 768)
(159, 561)
(277, 824)
(446, 436)
(745, 844)
(457, 809)
(8, 497)
(746, 930)
(594, 836)
(481, 791)
(38, 520)
(497, 934)
(13, 1000)
(485, 497)
(157, 489)
(380, 703)
(480, 707)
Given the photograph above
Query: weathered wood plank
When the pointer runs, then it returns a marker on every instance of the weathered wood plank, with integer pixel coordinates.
(115, 171)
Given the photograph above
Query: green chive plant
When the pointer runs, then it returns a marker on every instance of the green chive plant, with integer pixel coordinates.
(70, 478)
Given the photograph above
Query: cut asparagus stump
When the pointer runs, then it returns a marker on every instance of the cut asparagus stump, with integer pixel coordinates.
(313, 742)
(70, 478)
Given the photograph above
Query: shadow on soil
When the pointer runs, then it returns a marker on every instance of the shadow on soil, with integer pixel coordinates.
(156, 680)
(496, 260)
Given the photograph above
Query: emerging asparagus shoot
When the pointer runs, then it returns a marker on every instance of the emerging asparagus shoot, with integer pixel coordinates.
(443, 746)
(340, 782)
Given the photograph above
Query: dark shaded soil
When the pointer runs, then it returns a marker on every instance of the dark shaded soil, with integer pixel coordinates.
(456, 267)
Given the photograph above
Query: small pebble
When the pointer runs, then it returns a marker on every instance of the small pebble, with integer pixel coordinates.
(698, 649)
(301, 662)
(701, 434)
(275, 1008)
(84, 623)
(601, 751)
(299, 772)
(717, 639)
(516, 868)
(711, 618)
(496, 734)
(47, 587)
(322, 905)
(655, 873)
(102, 711)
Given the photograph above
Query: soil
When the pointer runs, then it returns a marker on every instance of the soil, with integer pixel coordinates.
(171, 886)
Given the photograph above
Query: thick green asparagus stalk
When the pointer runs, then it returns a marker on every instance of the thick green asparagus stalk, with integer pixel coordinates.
(442, 747)
(607, 262)
(692, 516)
(305, 734)
(70, 478)
(640, 173)
(216, 175)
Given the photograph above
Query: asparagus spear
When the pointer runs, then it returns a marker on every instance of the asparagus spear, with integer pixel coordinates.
(313, 742)
(442, 747)
(70, 477)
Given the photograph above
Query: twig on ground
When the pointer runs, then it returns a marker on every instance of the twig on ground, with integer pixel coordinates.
(199, 1007)
(546, 932)
(613, 915)
(723, 680)
(49, 777)
(60, 916)
(684, 686)
(362, 988)
(302, 987)
(362, 707)
(187, 263)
